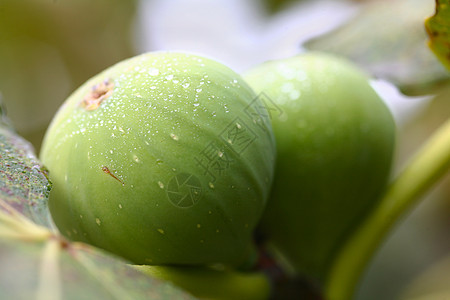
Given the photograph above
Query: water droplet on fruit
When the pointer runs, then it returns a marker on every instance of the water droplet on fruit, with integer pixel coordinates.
(153, 72)
(174, 136)
(161, 185)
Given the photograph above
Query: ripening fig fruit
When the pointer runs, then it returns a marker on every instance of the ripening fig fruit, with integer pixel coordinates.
(161, 159)
(335, 141)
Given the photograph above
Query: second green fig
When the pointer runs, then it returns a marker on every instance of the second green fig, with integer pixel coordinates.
(335, 140)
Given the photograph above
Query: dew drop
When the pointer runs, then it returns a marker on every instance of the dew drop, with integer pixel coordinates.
(153, 72)
(198, 90)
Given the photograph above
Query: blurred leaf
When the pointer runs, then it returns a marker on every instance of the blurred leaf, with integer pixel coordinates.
(432, 284)
(50, 47)
(3, 119)
(438, 29)
(388, 40)
(23, 180)
(37, 264)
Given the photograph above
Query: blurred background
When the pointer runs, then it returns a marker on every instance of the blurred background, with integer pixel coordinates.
(50, 47)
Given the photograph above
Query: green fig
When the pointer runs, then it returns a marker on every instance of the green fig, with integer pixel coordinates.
(335, 140)
(161, 159)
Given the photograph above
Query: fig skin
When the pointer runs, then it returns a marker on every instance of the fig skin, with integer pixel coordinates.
(335, 141)
(161, 159)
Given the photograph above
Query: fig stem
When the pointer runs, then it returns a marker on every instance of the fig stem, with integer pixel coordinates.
(206, 283)
(429, 165)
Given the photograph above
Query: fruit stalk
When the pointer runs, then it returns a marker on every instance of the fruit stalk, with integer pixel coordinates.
(428, 166)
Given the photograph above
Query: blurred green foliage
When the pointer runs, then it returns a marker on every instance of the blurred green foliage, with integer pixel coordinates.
(49, 47)
(388, 39)
(438, 28)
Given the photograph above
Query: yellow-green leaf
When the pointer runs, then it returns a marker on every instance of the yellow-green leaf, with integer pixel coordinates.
(387, 39)
(23, 180)
(438, 29)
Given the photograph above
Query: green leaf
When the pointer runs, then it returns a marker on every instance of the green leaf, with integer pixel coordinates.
(23, 180)
(438, 29)
(38, 264)
(387, 39)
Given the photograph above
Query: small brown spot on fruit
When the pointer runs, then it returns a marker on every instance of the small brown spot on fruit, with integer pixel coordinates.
(106, 170)
(98, 93)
